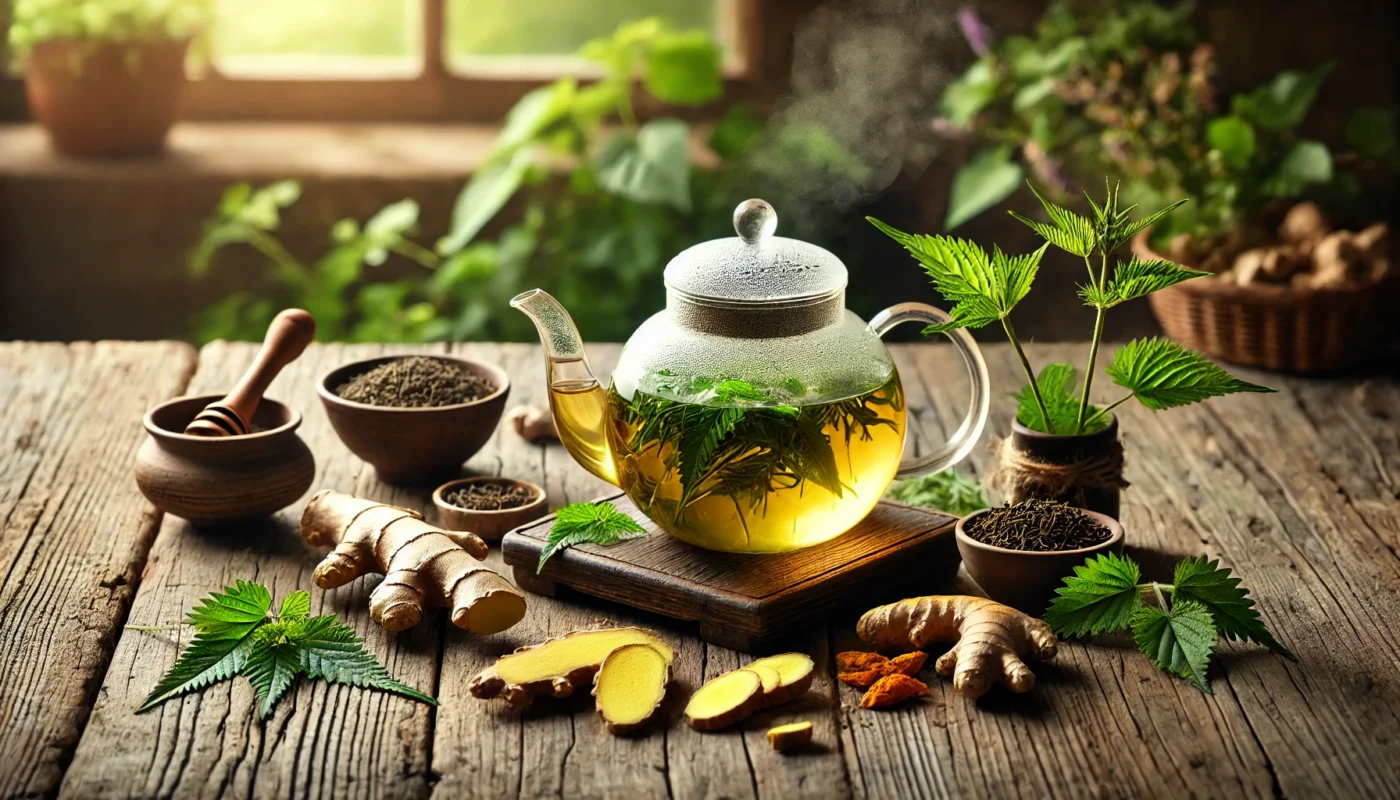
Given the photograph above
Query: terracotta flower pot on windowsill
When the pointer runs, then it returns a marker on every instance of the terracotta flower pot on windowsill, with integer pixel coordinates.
(106, 98)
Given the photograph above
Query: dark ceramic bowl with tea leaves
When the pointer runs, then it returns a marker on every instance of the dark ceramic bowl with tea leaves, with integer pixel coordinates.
(1027, 579)
(525, 502)
(414, 445)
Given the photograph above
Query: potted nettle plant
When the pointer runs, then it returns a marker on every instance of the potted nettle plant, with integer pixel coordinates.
(1303, 274)
(1062, 446)
(104, 77)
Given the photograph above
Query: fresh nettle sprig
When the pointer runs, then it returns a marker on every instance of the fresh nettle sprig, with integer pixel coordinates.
(949, 491)
(236, 633)
(588, 523)
(985, 288)
(1180, 629)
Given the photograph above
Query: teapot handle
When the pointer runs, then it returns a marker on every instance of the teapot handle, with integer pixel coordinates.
(965, 437)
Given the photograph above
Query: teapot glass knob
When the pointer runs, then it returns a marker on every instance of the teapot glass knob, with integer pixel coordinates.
(755, 220)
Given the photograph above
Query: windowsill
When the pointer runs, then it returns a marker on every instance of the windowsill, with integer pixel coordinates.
(258, 151)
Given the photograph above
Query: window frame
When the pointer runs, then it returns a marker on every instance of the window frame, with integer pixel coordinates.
(440, 91)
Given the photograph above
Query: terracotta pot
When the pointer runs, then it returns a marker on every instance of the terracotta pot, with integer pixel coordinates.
(211, 480)
(488, 524)
(106, 98)
(1027, 579)
(1277, 326)
(1062, 449)
(412, 446)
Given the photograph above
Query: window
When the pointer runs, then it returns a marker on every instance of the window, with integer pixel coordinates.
(421, 59)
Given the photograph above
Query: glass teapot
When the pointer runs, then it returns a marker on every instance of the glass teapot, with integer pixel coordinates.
(755, 413)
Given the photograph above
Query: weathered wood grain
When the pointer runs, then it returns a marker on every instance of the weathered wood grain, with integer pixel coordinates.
(1296, 491)
(321, 741)
(74, 532)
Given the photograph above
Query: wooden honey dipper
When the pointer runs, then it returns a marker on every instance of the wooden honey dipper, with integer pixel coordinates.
(287, 337)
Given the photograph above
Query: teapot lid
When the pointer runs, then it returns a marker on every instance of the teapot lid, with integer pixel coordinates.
(755, 266)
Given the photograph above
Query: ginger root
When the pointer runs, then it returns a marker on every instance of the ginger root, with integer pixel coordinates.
(892, 690)
(533, 423)
(421, 564)
(794, 673)
(725, 700)
(789, 737)
(558, 665)
(630, 686)
(993, 640)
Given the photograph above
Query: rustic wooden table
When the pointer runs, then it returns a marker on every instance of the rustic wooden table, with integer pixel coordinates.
(1297, 491)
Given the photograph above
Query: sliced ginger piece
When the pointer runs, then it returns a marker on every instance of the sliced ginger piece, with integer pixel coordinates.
(630, 686)
(558, 665)
(769, 678)
(795, 672)
(789, 737)
(725, 700)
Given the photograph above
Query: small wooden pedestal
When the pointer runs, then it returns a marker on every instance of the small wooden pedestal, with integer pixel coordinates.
(743, 601)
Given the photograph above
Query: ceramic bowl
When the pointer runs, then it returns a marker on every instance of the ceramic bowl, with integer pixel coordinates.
(1027, 579)
(212, 480)
(413, 445)
(488, 524)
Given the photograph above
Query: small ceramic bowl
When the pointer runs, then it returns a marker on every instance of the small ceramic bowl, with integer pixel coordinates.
(490, 525)
(213, 480)
(1027, 579)
(413, 445)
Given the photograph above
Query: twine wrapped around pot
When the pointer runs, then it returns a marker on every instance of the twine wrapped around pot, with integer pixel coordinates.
(1021, 476)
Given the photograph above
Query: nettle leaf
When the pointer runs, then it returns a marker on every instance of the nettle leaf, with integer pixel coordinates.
(1068, 231)
(1281, 104)
(983, 288)
(1179, 641)
(987, 178)
(295, 606)
(651, 167)
(949, 491)
(1137, 278)
(206, 661)
(1102, 596)
(589, 523)
(702, 430)
(1056, 382)
(329, 649)
(1219, 592)
(272, 666)
(1125, 230)
(233, 613)
(1163, 374)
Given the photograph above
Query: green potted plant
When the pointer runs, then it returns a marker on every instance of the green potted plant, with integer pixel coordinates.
(1064, 447)
(104, 77)
(1129, 89)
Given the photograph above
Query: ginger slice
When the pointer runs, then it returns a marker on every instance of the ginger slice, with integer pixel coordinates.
(769, 678)
(725, 700)
(789, 737)
(993, 640)
(421, 564)
(558, 665)
(795, 671)
(630, 686)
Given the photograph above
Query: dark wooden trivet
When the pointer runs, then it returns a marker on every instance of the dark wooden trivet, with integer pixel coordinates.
(744, 601)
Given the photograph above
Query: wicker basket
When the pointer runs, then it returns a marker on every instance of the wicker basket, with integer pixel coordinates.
(1280, 327)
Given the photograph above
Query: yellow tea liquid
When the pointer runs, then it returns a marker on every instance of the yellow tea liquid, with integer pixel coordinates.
(736, 470)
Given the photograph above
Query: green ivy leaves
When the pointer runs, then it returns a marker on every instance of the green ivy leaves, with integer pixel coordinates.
(1179, 635)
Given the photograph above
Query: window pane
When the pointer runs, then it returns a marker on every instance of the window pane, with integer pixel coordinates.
(313, 35)
(558, 27)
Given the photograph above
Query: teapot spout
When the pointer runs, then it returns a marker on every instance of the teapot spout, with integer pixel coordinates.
(577, 400)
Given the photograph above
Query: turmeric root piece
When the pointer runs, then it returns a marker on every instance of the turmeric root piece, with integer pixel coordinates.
(558, 665)
(795, 672)
(790, 737)
(725, 700)
(892, 690)
(864, 669)
(422, 564)
(993, 640)
(630, 686)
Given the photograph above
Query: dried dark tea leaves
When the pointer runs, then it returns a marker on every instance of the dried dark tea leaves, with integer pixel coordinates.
(415, 382)
(490, 496)
(1037, 525)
